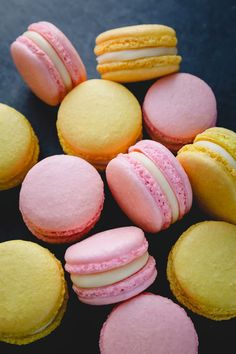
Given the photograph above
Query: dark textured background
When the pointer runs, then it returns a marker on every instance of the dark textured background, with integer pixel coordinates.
(207, 41)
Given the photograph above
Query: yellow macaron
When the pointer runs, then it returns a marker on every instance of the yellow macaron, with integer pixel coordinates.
(137, 53)
(97, 120)
(33, 293)
(210, 163)
(202, 269)
(19, 148)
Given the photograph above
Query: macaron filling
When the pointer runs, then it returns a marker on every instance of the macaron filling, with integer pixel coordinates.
(111, 276)
(172, 171)
(135, 54)
(218, 150)
(121, 290)
(161, 180)
(45, 326)
(44, 45)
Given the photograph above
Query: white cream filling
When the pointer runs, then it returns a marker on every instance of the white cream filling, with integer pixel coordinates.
(136, 54)
(217, 149)
(48, 49)
(111, 276)
(161, 180)
(43, 327)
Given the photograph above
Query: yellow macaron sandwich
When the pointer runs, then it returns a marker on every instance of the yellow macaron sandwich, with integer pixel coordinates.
(210, 163)
(137, 53)
(33, 292)
(202, 269)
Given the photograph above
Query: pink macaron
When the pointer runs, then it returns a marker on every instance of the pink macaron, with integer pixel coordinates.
(150, 185)
(178, 107)
(61, 198)
(48, 62)
(148, 324)
(110, 266)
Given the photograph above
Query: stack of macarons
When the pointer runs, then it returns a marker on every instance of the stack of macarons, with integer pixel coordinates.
(99, 125)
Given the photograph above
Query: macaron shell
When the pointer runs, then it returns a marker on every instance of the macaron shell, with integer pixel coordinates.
(19, 147)
(32, 338)
(140, 69)
(122, 245)
(33, 278)
(192, 108)
(224, 137)
(121, 290)
(213, 181)
(171, 169)
(19, 177)
(135, 37)
(66, 236)
(97, 120)
(150, 324)
(64, 49)
(142, 208)
(70, 190)
(201, 269)
(38, 71)
(173, 144)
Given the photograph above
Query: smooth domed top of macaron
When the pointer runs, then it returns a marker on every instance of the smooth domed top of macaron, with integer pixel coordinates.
(32, 288)
(148, 323)
(69, 189)
(180, 106)
(106, 249)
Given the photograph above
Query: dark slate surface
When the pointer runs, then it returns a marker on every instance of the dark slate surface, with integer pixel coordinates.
(207, 37)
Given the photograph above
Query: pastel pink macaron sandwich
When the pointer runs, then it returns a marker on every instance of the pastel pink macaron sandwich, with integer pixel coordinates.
(178, 107)
(110, 266)
(148, 324)
(48, 62)
(150, 185)
(61, 198)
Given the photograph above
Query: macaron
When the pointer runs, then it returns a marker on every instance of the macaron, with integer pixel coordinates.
(150, 186)
(137, 53)
(19, 148)
(178, 107)
(47, 62)
(210, 163)
(110, 266)
(148, 324)
(33, 294)
(202, 269)
(61, 198)
(97, 120)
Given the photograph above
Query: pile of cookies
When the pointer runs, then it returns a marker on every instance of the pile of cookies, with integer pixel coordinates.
(100, 128)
